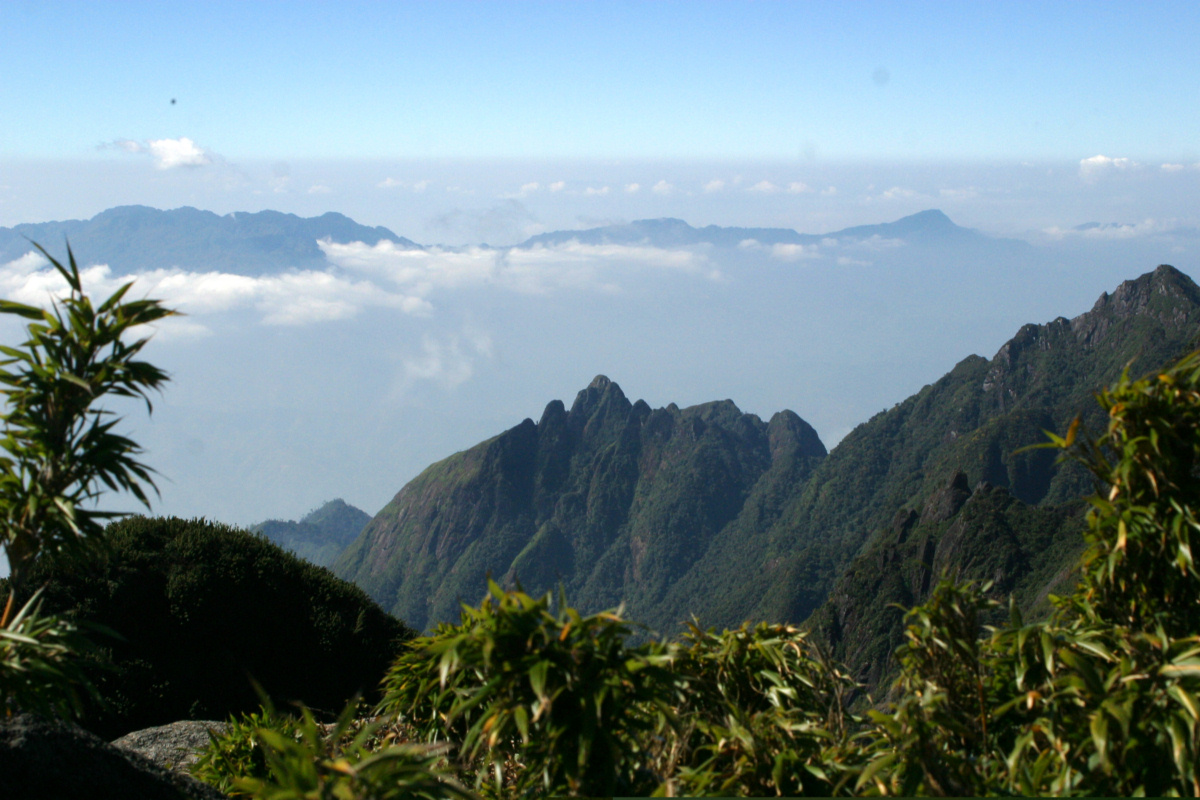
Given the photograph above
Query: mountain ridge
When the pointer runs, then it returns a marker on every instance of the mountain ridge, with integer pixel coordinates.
(709, 512)
(931, 226)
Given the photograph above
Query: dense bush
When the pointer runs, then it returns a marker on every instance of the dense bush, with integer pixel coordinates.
(202, 608)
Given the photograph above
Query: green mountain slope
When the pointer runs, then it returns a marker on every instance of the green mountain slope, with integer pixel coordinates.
(611, 498)
(711, 513)
(321, 535)
(973, 420)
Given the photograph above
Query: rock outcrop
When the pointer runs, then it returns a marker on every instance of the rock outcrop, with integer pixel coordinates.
(174, 746)
(41, 758)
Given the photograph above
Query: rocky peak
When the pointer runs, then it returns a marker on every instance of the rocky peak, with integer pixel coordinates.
(787, 430)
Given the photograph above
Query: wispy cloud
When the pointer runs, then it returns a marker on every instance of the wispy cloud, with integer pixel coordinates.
(530, 270)
(449, 361)
(633, 188)
(764, 187)
(593, 190)
(798, 187)
(662, 187)
(525, 190)
(715, 185)
(898, 193)
(1115, 230)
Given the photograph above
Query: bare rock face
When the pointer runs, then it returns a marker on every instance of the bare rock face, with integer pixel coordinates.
(48, 758)
(175, 746)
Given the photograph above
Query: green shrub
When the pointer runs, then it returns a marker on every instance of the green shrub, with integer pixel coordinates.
(268, 756)
(539, 700)
(762, 712)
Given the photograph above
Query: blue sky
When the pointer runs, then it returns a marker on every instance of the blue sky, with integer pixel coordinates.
(834, 81)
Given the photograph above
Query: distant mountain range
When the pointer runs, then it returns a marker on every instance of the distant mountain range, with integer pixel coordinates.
(710, 512)
(137, 238)
(321, 535)
(926, 227)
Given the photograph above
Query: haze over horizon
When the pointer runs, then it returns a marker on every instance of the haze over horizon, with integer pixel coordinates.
(458, 124)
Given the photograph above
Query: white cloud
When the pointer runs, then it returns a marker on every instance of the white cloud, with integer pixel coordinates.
(1179, 167)
(389, 183)
(794, 252)
(959, 194)
(662, 187)
(592, 190)
(167, 153)
(319, 189)
(1099, 165)
(764, 187)
(558, 186)
(714, 186)
(633, 188)
(798, 187)
(290, 298)
(829, 191)
(420, 186)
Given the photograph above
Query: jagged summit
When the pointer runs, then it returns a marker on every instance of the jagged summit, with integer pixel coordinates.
(612, 499)
(1136, 295)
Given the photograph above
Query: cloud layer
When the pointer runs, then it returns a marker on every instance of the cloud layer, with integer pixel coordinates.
(361, 277)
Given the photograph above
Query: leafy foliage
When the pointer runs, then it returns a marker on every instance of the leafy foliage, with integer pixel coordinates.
(270, 756)
(60, 450)
(555, 691)
(40, 670)
(762, 712)
(238, 752)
